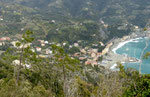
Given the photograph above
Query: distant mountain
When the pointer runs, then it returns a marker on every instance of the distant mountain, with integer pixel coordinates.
(114, 18)
(133, 11)
(129, 10)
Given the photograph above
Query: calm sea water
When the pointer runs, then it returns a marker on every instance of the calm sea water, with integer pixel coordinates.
(134, 49)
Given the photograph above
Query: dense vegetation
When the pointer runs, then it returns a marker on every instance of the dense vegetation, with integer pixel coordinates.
(23, 73)
(73, 18)
(62, 76)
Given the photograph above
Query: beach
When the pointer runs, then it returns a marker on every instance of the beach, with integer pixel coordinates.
(112, 58)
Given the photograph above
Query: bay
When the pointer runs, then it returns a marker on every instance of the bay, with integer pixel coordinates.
(134, 48)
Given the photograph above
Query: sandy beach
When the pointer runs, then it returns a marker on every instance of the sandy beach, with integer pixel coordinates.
(112, 58)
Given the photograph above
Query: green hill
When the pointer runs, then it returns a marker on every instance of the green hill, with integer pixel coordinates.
(73, 17)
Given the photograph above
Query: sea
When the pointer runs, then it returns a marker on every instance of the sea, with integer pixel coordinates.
(135, 48)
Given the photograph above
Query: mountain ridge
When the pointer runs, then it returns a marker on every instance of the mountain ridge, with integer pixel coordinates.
(108, 15)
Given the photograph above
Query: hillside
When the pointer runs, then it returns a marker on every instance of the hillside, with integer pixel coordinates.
(73, 18)
(67, 48)
(111, 11)
(26, 73)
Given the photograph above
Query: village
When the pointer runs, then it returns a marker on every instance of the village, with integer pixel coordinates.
(86, 55)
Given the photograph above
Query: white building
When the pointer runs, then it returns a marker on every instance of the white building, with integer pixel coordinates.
(38, 49)
(53, 21)
(43, 44)
(64, 44)
(46, 42)
(76, 44)
(17, 62)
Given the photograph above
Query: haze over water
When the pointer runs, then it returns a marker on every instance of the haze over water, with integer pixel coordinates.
(134, 48)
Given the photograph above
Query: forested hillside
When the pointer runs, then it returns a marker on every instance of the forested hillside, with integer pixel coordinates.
(53, 48)
(71, 19)
(23, 73)
(111, 11)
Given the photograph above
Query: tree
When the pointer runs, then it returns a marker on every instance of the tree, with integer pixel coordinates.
(24, 51)
(23, 54)
(140, 87)
(64, 64)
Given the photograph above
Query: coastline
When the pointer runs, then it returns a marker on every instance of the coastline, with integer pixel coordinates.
(118, 43)
(121, 44)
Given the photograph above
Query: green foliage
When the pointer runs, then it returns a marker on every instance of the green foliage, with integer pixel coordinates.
(140, 88)
(6, 71)
(73, 50)
(145, 29)
(46, 76)
(62, 59)
(72, 18)
(25, 88)
(146, 56)
(101, 58)
(122, 72)
(60, 75)
(83, 88)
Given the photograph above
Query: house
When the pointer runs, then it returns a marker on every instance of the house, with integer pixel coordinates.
(83, 51)
(41, 41)
(17, 62)
(82, 58)
(93, 55)
(33, 50)
(21, 46)
(136, 27)
(70, 46)
(43, 44)
(76, 54)
(2, 43)
(14, 43)
(5, 38)
(25, 46)
(58, 44)
(87, 62)
(38, 49)
(1, 18)
(105, 25)
(105, 51)
(57, 29)
(101, 43)
(42, 56)
(91, 62)
(94, 44)
(99, 54)
(95, 50)
(48, 51)
(76, 44)
(107, 48)
(64, 44)
(125, 38)
(102, 21)
(46, 42)
(53, 21)
(22, 29)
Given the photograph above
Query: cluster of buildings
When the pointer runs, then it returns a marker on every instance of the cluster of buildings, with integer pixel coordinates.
(3, 40)
(107, 48)
(89, 56)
